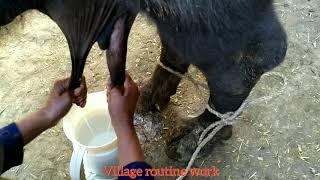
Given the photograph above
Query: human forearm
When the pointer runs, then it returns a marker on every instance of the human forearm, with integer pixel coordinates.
(33, 125)
(57, 106)
(122, 103)
(128, 145)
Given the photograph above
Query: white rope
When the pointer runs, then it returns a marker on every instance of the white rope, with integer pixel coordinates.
(170, 70)
(228, 118)
(182, 76)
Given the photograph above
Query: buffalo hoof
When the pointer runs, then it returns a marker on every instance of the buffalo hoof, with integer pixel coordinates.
(185, 141)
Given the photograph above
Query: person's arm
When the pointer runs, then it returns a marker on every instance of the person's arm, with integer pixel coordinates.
(122, 104)
(57, 106)
(129, 146)
(14, 136)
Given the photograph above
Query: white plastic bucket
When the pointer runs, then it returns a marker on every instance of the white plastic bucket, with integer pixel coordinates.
(93, 138)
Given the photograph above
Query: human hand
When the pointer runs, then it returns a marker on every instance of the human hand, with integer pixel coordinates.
(61, 99)
(80, 93)
(122, 103)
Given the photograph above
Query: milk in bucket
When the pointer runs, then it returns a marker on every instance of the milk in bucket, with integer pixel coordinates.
(93, 138)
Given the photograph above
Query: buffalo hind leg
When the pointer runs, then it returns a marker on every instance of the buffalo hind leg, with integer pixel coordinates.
(155, 94)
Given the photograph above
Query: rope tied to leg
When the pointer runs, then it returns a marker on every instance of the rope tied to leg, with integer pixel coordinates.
(180, 75)
(228, 118)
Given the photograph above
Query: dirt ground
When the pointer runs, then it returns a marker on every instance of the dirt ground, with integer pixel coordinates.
(278, 139)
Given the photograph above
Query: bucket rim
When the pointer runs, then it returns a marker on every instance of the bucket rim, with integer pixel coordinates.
(109, 145)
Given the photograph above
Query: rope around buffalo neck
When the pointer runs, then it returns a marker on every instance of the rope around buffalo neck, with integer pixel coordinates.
(228, 118)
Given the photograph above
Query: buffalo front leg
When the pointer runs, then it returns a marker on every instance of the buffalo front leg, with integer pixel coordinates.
(155, 94)
(228, 87)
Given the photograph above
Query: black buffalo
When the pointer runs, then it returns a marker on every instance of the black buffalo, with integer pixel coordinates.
(233, 42)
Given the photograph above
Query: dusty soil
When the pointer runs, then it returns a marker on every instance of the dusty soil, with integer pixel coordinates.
(278, 139)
